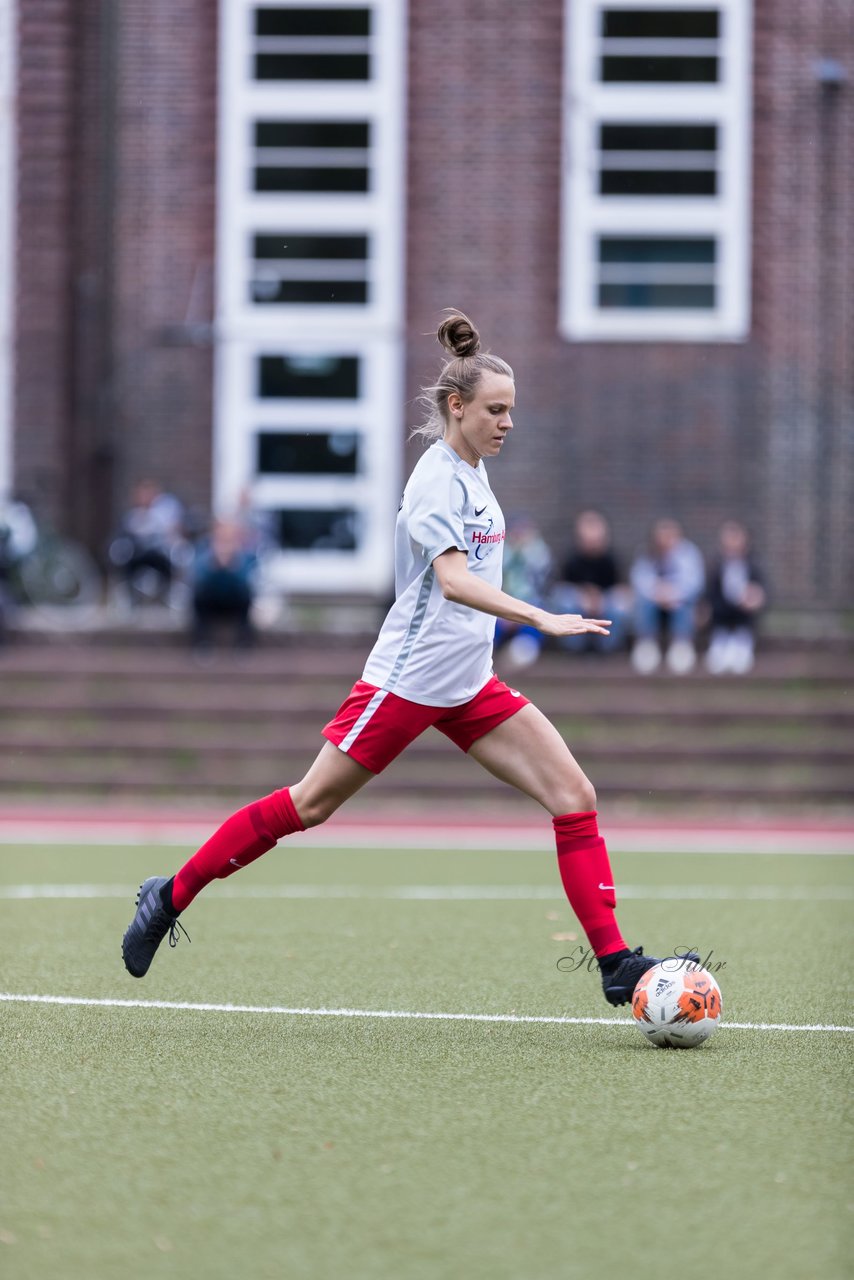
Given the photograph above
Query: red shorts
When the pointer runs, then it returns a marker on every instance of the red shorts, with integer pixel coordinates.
(373, 726)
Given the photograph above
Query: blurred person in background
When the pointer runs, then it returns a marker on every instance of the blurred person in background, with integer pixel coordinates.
(222, 585)
(151, 549)
(259, 526)
(668, 582)
(590, 584)
(527, 570)
(736, 595)
(18, 537)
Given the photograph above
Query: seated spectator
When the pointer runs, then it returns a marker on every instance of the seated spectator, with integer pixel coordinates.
(222, 592)
(736, 595)
(18, 537)
(150, 548)
(259, 526)
(668, 581)
(590, 585)
(527, 570)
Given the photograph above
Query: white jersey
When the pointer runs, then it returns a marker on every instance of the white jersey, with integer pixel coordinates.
(429, 649)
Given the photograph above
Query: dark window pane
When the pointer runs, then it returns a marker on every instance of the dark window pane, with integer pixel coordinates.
(285, 246)
(655, 249)
(311, 292)
(661, 24)
(288, 20)
(312, 530)
(305, 179)
(658, 137)
(658, 70)
(312, 66)
(656, 182)
(312, 133)
(328, 453)
(700, 296)
(308, 377)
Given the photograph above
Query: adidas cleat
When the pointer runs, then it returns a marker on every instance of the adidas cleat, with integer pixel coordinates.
(148, 928)
(619, 985)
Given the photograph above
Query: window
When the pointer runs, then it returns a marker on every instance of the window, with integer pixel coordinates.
(647, 271)
(320, 42)
(306, 453)
(308, 377)
(312, 155)
(659, 46)
(325, 270)
(658, 159)
(310, 241)
(657, 179)
(319, 529)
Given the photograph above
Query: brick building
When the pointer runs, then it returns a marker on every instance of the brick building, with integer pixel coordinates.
(233, 227)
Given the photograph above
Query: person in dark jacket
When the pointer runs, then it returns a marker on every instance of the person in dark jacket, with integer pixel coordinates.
(223, 589)
(590, 579)
(736, 596)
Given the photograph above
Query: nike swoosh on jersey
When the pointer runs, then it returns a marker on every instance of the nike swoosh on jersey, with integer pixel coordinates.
(480, 513)
(607, 886)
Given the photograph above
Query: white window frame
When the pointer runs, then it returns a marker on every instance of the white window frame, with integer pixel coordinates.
(373, 492)
(587, 215)
(373, 330)
(376, 213)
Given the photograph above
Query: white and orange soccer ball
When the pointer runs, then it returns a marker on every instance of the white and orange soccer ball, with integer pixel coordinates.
(677, 1005)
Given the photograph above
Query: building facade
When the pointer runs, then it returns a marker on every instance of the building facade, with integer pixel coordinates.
(233, 229)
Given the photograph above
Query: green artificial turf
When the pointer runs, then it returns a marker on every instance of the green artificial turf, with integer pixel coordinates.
(158, 1142)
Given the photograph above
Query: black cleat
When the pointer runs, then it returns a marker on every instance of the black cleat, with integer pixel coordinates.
(619, 985)
(148, 928)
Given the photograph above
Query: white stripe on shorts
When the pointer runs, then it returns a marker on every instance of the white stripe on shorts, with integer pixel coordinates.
(346, 743)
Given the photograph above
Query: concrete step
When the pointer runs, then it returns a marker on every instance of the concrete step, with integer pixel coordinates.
(345, 659)
(301, 619)
(475, 790)
(430, 756)
(155, 702)
(292, 746)
(151, 724)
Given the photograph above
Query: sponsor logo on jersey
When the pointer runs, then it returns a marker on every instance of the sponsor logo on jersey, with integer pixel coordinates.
(486, 541)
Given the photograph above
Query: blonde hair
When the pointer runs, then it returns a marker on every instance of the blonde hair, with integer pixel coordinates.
(460, 374)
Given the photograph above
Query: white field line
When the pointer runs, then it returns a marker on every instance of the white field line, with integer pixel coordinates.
(536, 838)
(7, 997)
(456, 892)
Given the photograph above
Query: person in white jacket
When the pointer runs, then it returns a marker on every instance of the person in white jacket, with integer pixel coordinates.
(667, 581)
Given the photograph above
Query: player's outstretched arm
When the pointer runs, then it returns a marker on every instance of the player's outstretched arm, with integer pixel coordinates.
(466, 588)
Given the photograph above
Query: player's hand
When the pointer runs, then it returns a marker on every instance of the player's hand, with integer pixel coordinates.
(571, 624)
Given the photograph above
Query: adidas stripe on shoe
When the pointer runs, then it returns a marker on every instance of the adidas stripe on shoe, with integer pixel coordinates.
(150, 925)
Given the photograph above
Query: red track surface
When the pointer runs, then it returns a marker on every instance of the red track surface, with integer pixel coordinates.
(100, 824)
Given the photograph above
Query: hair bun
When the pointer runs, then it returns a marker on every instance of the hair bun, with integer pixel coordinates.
(458, 335)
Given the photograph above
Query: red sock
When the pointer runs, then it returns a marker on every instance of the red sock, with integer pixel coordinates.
(588, 880)
(240, 840)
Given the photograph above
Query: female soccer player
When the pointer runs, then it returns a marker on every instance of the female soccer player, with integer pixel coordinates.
(432, 665)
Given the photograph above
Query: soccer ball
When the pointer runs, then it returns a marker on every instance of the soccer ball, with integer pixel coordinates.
(677, 1005)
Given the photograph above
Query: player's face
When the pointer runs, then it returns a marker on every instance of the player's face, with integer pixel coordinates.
(478, 429)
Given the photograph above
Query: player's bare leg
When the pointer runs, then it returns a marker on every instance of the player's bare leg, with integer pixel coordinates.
(527, 752)
(245, 836)
(333, 778)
